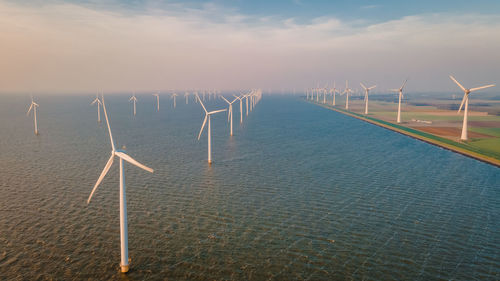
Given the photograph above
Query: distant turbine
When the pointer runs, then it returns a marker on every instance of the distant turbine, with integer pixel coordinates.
(186, 94)
(33, 106)
(134, 100)
(347, 91)
(173, 97)
(466, 101)
(246, 97)
(367, 90)
(98, 107)
(157, 101)
(207, 115)
(333, 91)
(400, 90)
(230, 113)
(241, 107)
(124, 264)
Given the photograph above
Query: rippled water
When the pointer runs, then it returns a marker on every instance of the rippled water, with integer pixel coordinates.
(299, 192)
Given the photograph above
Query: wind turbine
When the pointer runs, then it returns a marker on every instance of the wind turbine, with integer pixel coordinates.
(367, 90)
(134, 100)
(400, 90)
(466, 101)
(186, 94)
(33, 106)
(207, 115)
(98, 107)
(173, 96)
(230, 113)
(346, 91)
(157, 101)
(241, 107)
(124, 263)
(246, 97)
(333, 91)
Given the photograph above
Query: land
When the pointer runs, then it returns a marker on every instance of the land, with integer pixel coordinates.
(434, 121)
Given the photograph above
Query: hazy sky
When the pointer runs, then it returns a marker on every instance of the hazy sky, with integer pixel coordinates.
(82, 46)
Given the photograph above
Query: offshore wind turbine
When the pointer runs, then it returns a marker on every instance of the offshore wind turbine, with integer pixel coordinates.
(186, 95)
(347, 91)
(230, 112)
(241, 108)
(209, 130)
(400, 90)
(33, 106)
(157, 101)
(367, 90)
(173, 97)
(98, 102)
(124, 261)
(134, 100)
(465, 101)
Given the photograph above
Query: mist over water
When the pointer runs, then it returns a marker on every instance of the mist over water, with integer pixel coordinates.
(299, 192)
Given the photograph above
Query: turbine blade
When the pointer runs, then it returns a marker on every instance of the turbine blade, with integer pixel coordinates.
(94, 102)
(224, 99)
(462, 104)
(101, 177)
(202, 104)
(362, 86)
(372, 87)
(109, 127)
(202, 126)
(394, 90)
(482, 87)
(404, 83)
(216, 111)
(131, 160)
(31, 106)
(460, 85)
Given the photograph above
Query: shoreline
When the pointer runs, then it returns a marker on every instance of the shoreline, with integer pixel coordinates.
(419, 135)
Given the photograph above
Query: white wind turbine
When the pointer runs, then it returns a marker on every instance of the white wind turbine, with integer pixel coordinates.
(134, 100)
(367, 90)
(98, 102)
(209, 131)
(157, 101)
(186, 95)
(246, 97)
(347, 91)
(230, 113)
(33, 106)
(400, 90)
(466, 101)
(241, 107)
(173, 97)
(124, 262)
(333, 91)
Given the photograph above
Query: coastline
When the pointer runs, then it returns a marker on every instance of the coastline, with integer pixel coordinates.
(448, 144)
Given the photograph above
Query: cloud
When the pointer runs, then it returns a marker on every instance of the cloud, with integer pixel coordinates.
(62, 47)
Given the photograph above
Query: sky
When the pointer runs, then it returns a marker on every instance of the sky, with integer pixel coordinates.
(124, 46)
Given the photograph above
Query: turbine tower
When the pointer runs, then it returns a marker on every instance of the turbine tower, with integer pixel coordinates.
(209, 131)
(230, 112)
(186, 95)
(400, 90)
(466, 101)
(33, 106)
(157, 101)
(134, 100)
(98, 102)
(367, 90)
(124, 263)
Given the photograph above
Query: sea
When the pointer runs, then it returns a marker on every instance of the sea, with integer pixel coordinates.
(299, 192)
